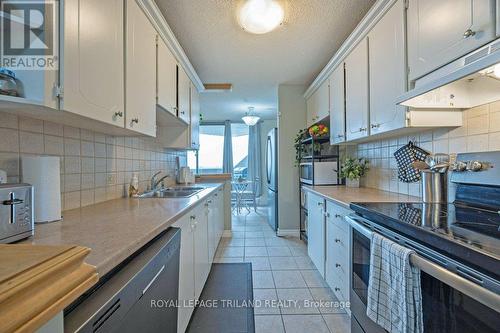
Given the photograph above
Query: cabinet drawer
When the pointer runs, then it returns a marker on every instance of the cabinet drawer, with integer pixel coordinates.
(338, 284)
(337, 215)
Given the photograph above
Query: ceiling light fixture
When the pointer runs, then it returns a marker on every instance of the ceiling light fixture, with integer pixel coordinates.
(251, 118)
(261, 16)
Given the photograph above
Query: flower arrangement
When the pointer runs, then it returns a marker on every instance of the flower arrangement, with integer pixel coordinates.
(300, 149)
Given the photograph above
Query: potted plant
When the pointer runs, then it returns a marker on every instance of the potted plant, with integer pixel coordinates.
(300, 149)
(352, 169)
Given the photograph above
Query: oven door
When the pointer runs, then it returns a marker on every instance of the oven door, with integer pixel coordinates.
(306, 173)
(445, 309)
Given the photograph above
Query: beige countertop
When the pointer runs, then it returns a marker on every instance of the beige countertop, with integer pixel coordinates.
(115, 229)
(343, 195)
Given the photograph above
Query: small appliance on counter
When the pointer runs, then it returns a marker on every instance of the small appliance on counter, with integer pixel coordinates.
(319, 172)
(9, 85)
(16, 212)
(43, 172)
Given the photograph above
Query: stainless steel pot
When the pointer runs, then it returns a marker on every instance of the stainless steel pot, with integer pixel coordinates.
(434, 186)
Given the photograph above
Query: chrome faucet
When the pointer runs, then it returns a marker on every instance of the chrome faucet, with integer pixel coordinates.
(154, 182)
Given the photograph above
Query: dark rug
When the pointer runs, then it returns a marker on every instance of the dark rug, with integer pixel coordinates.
(225, 302)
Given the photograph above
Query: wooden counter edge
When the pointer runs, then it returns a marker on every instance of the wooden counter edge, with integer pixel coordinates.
(34, 296)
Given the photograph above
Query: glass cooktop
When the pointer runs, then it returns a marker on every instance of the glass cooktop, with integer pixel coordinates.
(475, 227)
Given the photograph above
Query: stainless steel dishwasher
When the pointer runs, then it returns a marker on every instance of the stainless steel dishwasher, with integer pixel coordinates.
(138, 296)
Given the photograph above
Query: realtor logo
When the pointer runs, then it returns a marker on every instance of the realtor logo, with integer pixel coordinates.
(28, 34)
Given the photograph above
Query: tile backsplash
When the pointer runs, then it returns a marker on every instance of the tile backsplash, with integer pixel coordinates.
(95, 167)
(480, 132)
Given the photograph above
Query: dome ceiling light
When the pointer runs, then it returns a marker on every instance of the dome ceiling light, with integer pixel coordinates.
(261, 16)
(251, 118)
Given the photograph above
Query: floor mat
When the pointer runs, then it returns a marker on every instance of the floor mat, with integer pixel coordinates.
(225, 302)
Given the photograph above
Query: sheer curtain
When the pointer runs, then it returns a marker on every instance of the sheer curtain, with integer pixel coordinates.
(227, 160)
(254, 158)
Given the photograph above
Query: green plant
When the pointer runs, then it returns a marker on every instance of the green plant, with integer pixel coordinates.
(353, 168)
(300, 149)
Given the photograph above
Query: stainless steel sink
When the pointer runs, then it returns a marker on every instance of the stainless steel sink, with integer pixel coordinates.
(173, 192)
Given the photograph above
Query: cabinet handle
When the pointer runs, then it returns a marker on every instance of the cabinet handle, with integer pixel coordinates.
(375, 125)
(469, 33)
(340, 136)
(337, 240)
(337, 289)
(362, 129)
(338, 216)
(182, 112)
(337, 265)
(327, 215)
(134, 120)
(118, 114)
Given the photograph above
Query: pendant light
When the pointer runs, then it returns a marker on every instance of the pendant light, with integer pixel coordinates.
(251, 118)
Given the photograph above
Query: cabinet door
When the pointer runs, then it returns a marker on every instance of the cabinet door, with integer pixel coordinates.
(356, 77)
(166, 95)
(141, 71)
(195, 118)
(184, 87)
(201, 262)
(92, 71)
(323, 103)
(310, 110)
(337, 106)
(387, 71)
(316, 232)
(186, 272)
(212, 228)
(444, 30)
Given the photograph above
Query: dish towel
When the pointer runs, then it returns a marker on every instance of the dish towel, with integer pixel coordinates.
(394, 292)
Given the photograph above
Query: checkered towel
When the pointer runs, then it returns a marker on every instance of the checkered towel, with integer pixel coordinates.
(394, 293)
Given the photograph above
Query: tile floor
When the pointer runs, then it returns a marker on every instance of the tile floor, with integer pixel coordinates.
(290, 294)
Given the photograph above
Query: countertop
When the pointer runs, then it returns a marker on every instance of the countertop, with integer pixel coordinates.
(344, 196)
(115, 229)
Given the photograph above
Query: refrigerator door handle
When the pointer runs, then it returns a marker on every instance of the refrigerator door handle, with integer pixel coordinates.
(268, 160)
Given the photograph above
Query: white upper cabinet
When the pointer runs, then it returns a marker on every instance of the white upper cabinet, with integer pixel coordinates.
(444, 30)
(195, 118)
(184, 87)
(140, 71)
(337, 106)
(166, 95)
(92, 72)
(387, 70)
(356, 76)
(318, 105)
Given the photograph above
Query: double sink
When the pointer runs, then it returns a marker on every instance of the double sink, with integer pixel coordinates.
(172, 192)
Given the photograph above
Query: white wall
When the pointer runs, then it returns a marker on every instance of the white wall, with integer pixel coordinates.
(291, 118)
(266, 126)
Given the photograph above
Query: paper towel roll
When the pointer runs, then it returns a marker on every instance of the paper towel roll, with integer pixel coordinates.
(43, 172)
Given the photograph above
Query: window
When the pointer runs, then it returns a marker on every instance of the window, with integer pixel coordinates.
(239, 133)
(209, 158)
(211, 149)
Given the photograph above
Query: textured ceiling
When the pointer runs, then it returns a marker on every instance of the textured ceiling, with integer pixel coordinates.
(294, 53)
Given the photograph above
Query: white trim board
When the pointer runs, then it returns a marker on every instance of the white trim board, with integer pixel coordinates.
(288, 232)
(361, 31)
(160, 23)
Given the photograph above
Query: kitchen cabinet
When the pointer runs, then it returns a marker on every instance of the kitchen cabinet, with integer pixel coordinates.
(337, 105)
(337, 272)
(387, 70)
(318, 105)
(201, 260)
(316, 231)
(92, 64)
(194, 126)
(140, 67)
(186, 272)
(357, 98)
(212, 228)
(442, 31)
(166, 94)
(183, 95)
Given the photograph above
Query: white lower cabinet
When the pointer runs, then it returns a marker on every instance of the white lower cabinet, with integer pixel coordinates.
(200, 236)
(186, 272)
(316, 231)
(338, 246)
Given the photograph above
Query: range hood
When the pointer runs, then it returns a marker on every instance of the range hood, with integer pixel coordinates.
(464, 83)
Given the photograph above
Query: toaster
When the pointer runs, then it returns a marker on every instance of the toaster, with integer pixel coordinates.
(16, 212)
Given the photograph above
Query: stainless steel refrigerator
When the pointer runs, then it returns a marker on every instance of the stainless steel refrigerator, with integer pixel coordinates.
(272, 177)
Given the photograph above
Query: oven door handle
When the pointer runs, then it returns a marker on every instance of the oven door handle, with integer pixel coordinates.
(471, 289)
